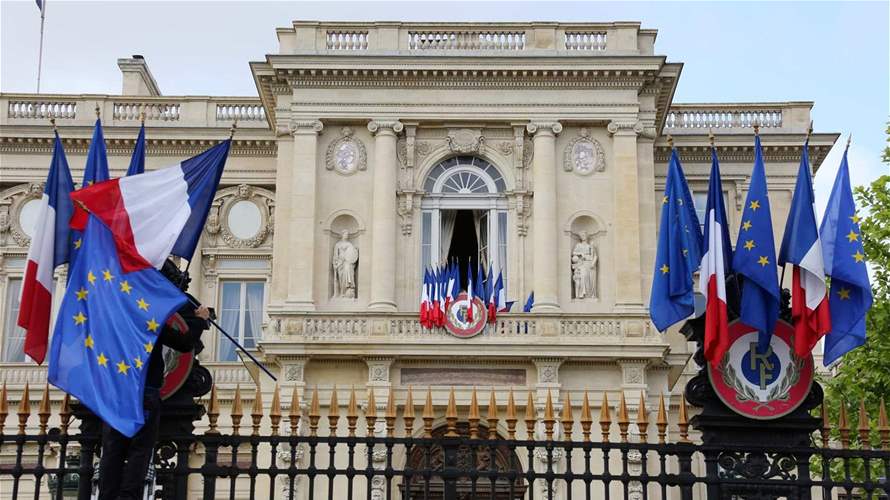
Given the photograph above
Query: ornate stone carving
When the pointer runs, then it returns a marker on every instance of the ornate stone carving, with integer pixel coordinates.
(548, 370)
(219, 227)
(505, 148)
(465, 140)
(584, 155)
(544, 127)
(523, 212)
(344, 261)
(378, 369)
(625, 127)
(528, 152)
(585, 263)
(375, 126)
(633, 373)
(423, 148)
(12, 202)
(406, 212)
(347, 154)
(305, 127)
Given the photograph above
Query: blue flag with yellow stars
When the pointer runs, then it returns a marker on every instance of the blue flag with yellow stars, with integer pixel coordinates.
(850, 296)
(106, 329)
(678, 254)
(96, 170)
(755, 256)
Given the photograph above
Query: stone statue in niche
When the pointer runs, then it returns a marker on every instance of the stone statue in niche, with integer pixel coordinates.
(343, 261)
(585, 262)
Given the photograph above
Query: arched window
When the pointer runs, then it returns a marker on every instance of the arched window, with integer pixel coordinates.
(464, 175)
(464, 214)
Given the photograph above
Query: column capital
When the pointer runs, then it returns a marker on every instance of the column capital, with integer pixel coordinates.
(616, 127)
(536, 128)
(304, 127)
(385, 126)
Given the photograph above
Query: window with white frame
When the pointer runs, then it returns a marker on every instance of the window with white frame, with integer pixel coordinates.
(700, 200)
(240, 314)
(13, 335)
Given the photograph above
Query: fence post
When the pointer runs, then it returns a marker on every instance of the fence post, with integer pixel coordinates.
(90, 429)
(686, 477)
(450, 469)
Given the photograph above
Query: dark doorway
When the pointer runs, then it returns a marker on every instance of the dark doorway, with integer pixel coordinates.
(464, 247)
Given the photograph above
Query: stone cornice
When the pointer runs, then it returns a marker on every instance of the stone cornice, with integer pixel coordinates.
(742, 153)
(154, 147)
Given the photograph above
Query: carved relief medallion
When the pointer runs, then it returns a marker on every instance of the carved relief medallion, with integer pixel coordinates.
(584, 155)
(347, 154)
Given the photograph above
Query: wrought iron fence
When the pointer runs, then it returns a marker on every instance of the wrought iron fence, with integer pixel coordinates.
(456, 455)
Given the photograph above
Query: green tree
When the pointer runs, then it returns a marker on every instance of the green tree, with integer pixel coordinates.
(864, 373)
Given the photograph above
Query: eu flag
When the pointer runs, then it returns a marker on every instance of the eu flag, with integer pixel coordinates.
(678, 254)
(755, 256)
(106, 329)
(850, 296)
(96, 170)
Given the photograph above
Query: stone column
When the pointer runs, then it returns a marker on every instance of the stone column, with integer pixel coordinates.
(301, 216)
(628, 288)
(545, 227)
(383, 215)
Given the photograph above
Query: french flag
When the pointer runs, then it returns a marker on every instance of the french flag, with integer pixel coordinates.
(715, 264)
(425, 300)
(802, 248)
(156, 214)
(469, 291)
(49, 248)
(501, 293)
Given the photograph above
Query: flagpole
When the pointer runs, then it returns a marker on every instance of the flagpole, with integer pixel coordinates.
(40, 53)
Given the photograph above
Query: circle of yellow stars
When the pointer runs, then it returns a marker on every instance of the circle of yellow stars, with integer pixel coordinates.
(123, 366)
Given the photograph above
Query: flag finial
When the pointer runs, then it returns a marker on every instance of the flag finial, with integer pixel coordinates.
(810, 130)
(52, 121)
(671, 141)
(97, 111)
(142, 117)
(757, 126)
(711, 137)
(849, 140)
(232, 130)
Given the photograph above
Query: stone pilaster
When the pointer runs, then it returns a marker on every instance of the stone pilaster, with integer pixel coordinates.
(628, 282)
(301, 220)
(545, 229)
(280, 242)
(383, 214)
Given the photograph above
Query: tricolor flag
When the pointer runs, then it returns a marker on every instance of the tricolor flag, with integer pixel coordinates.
(755, 256)
(470, 291)
(491, 293)
(501, 293)
(425, 299)
(137, 162)
(49, 249)
(529, 302)
(715, 265)
(802, 248)
(159, 213)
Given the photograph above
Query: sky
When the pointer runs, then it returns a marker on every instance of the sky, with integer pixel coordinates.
(833, 53)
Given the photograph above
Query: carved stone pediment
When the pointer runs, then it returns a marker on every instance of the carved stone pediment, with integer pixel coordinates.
(584, 155)
(465, 140)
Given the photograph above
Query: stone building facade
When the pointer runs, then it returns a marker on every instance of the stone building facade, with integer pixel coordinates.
(376, 149)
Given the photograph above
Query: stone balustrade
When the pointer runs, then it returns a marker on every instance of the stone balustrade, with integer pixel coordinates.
(476, 38)
(698, 118)
(510, 328)
(163, 111)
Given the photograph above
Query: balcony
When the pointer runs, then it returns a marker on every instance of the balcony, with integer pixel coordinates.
(721, 118)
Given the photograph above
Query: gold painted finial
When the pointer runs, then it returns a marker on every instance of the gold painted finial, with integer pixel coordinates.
(683, 421)
(586, 418)
(351, 413)
(24, 410)
(275, 410)
(4, 407)
(756, 126)
(671, 141)
(390, 416)
(235, 413)
(408, 414)
(531, 416)
(473, 417)
(492, 416)
(142, 116)
(232, 130)
(333, 412)
(825, 430)
(510, 418)
(213, 410)
(843, 426)
(623, 419)
(256, 413)
(97, 111)
(661, 421)
(883, 427)
(810, 130)
(864, 428)
(643, 419)
(314, 413)
(428, 415)
(568, 422)
(451, 416)
(370, 412)
(605, 418)
(711, 137)
(52, 122)
(65, 414)
(294, 412)
(43, 412)
(549, 418)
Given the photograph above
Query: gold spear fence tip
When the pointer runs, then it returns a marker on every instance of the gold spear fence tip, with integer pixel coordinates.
(661, 420)
(256, 412)
(275, 410)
